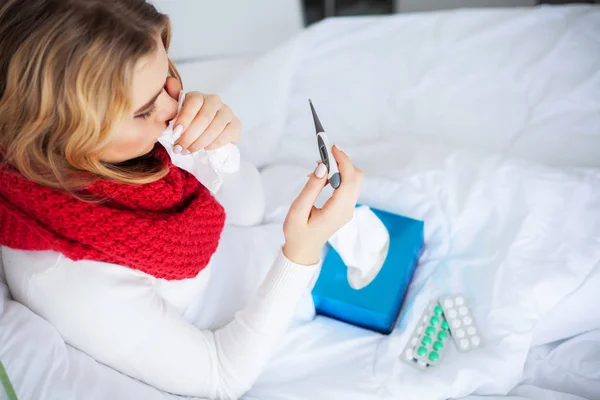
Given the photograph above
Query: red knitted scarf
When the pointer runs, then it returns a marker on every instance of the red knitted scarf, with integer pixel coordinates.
(169, 228)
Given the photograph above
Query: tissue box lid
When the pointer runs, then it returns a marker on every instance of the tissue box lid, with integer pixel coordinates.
(375, 306)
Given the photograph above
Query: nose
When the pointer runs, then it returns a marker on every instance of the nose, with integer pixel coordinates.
(166, 108)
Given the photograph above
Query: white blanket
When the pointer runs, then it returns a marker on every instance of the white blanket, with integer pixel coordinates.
(431, 106)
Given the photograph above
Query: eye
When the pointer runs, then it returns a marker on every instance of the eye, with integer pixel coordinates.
(148, 113)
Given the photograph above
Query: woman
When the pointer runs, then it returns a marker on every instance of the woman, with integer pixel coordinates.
(103, 233)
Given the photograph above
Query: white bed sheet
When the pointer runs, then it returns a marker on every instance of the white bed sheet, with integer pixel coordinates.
(564, 370)
(422, 103)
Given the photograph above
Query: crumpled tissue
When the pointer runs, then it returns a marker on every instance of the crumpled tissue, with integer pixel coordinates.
(207, 165)
(363, 245)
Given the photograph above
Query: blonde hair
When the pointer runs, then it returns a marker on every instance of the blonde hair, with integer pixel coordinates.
(66, 71)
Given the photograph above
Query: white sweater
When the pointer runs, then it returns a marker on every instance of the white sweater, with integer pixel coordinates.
(134, 322)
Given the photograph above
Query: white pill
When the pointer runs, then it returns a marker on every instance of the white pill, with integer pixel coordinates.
(463, 311)
(414, 341)
(459, 300)
(409, 354)
(452, 313)
(476, 340)
(456, 323)
(460, 333)
(471, 330)
(422, 363)
(420, 329)
(464, 344)
(467, 320)
(425, 319)
(448, 303)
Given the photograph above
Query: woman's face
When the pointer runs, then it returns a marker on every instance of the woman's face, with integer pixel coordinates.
(153, 108)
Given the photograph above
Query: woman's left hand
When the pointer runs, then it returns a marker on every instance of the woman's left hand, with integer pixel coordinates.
(207, 123)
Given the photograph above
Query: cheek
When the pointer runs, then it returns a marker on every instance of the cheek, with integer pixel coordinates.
(132, 140)
(136, 137)
(130, 136)
(140, 132)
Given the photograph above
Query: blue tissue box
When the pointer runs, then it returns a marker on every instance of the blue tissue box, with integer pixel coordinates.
(376, 306)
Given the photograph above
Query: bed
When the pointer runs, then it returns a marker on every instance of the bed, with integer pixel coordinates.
(483, 123)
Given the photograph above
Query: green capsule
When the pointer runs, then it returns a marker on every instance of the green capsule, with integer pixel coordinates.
(445, 325)
(437, 346)
(442, 335)
(433, 356)
(438, 310)
(430, 330)
(434, 320)
(426, 341)
(421, 351)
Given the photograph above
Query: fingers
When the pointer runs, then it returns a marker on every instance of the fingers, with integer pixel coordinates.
(348, 172)
(345, 197)
(193, 102)
(205, 121)
(308, 196)
(344, 164)
(231, 134)
(222, 118)
(196, 115)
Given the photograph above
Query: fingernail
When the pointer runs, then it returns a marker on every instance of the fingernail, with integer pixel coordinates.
(177, 149)
(177, 131)
(339, 148)
(321, 171)
(186, 152)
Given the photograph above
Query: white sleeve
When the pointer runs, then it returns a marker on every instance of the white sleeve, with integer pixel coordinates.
(120, 320)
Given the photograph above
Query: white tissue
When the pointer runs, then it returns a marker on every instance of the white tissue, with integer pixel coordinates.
(363, 245)
(168, 136)
(207, 165)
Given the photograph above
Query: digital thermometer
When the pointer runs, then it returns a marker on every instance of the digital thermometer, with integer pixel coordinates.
(325, 151)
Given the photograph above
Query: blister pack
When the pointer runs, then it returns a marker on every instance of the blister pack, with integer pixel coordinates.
(429, 340)
(462, 326)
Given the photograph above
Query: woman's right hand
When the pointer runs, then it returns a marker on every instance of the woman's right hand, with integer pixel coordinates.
(307, 228)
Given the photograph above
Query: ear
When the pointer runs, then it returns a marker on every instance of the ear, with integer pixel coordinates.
(173, 87)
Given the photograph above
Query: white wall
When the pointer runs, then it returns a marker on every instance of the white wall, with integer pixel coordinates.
(430, 5)
(216, 28)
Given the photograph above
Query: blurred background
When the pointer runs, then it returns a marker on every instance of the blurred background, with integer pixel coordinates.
(213, 40)
(315, 10)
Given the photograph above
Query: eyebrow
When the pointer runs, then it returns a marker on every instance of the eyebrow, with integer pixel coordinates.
(148, 104)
